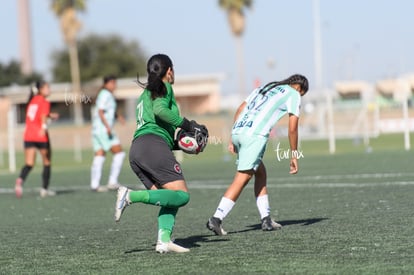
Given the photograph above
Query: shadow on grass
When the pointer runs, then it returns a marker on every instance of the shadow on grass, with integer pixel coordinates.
(193, 241)
(189, 242)
(303, 222)
(65, 192)
(139, 250)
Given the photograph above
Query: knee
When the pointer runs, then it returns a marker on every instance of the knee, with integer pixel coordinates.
(260, 173)
(98, 160)
(184, 197)
(100, 153)
(260, 177)
(120, 155)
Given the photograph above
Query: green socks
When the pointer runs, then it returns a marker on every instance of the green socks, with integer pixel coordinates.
(166, 221)
(161, 197)
(169, 200)
(139, 196)
(164, 235)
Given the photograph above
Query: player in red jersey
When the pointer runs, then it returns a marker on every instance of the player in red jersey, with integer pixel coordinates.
(36, 137)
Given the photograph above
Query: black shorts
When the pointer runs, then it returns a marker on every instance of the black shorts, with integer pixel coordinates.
(38, 145)
(153, 161)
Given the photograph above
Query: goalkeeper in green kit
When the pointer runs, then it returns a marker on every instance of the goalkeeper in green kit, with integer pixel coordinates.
(151, 156)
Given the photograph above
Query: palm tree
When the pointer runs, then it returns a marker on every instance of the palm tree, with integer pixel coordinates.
(70, 26)
(235, 14)
(25, 37)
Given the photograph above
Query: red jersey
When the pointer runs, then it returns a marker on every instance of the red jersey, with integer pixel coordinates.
(37, 108)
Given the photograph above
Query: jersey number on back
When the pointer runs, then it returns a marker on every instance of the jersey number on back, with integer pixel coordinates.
(31, 111)
(257, 103)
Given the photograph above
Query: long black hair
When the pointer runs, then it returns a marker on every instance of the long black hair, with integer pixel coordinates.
(293, 79)
(157, 68)
(108, 78)
(35, 89)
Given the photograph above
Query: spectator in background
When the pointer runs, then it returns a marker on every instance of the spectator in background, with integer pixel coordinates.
(36, 137)
(104, 138)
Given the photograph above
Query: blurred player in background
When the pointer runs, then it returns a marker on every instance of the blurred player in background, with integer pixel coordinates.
(36, 137)
(253, 121)
(151, 156)
(104, 138)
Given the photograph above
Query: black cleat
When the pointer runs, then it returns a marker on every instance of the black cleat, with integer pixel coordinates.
(268, 224)
(214, 224)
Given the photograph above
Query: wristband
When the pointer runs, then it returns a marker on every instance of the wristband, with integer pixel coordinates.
(44, 126)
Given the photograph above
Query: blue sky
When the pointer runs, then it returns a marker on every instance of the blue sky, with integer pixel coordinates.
(361, 39)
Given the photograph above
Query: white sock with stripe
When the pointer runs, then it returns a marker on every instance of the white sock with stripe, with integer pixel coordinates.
(224, 208)
(263, 206)
(96, 171)
(116, 166)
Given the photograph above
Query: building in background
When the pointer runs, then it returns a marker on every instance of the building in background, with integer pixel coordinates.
(195, 94)
(357, 109)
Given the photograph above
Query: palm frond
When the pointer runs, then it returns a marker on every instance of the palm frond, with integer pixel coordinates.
(59, 6)
(235, 4)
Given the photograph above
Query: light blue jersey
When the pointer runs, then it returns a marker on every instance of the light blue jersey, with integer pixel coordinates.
(263, 111)
(106, 102)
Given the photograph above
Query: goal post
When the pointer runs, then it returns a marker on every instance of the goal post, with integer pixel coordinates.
(11, 140)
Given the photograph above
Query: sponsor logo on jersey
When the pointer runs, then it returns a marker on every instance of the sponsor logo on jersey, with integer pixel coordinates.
(177, 168)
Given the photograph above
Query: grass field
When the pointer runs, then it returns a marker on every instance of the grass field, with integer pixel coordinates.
(348, 213)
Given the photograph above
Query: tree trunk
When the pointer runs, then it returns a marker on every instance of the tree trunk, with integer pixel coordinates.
(237, 24)
(25, 38)
(70, 27)
(236, 21)
(76, 87)
(240, 66)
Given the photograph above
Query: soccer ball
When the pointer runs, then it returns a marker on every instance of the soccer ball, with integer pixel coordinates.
(191, 143)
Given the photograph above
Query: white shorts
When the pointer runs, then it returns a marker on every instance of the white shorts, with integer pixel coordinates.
(250, 151)
(101, 141)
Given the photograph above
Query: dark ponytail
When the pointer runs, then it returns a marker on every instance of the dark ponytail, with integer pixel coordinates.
(35, 88)
(157, 68)
(293, 79)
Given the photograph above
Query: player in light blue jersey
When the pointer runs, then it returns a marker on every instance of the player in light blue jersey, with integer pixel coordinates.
(103, 137)
(253, 121)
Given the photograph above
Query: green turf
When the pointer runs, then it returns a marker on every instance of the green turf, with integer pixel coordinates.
(349, 213)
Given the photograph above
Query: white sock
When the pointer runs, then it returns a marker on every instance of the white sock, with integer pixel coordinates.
(263, 206)
(96, 171)
(116, 166)
(224, 208)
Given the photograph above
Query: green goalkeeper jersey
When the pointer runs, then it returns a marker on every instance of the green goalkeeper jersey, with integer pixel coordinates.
(158, 116)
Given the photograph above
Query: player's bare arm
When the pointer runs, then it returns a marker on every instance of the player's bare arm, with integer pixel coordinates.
(293, 141)
(43, 129)
(101, 113)
(53, 115)
(120, 118)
